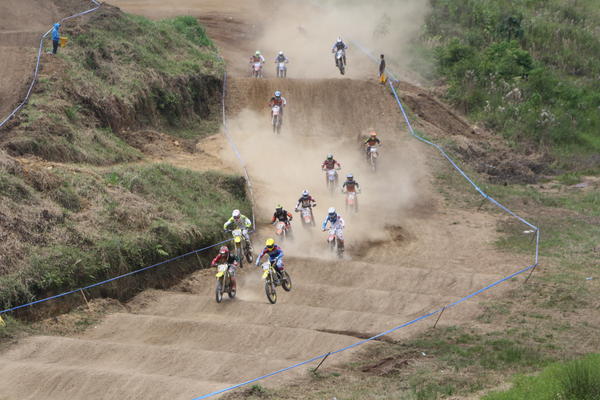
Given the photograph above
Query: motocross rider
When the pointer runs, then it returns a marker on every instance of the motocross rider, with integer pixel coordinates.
(275, 255)
(350, 185)
(306, 201)
(329, 164)
(281, 58)
(225, 257)
(371, 141)
(257, 57)
(339, 45)
(238, 220)
(283, 216)
(277, 100)
(336, 222)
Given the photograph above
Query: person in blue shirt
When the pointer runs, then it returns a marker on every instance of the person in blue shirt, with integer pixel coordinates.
(55, 37)
(275, 255)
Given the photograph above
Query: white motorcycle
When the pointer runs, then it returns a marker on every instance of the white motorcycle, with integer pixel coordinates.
(281, 69)
(257, 69)
(335, 239)
(340, 60)
(372, 156)
(332, 179)
(307, 216)
(276, 118)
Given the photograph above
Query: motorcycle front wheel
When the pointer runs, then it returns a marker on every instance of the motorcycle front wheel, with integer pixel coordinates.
(238, 253)
(270, 291)
(286, 281)
(219, 290)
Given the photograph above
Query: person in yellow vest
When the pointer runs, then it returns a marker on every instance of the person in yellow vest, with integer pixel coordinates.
(382, 77)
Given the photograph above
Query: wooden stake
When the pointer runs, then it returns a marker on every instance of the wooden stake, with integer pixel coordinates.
(438, 318)
(86, 301)
(322, 361)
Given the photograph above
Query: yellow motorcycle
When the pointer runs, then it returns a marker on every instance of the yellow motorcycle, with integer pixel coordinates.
(240, 247)
(223, 283)
(273, 278)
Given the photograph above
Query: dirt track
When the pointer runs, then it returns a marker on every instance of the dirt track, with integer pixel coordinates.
(407, 253)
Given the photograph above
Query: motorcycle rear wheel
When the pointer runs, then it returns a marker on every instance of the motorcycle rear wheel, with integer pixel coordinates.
(286, 281)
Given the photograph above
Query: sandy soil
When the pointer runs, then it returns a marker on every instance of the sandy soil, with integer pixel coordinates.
(407, 253)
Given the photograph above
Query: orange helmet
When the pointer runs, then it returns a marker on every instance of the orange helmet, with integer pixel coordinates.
(373, 133)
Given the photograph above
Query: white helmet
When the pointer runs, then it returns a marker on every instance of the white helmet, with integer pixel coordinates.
(339, 39)
(235, 214)
(305, 193)
(281, 53)
(331, 211)
(257, 52)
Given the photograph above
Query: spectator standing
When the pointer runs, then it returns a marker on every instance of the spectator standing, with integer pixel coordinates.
(55, 37)
(382, 77)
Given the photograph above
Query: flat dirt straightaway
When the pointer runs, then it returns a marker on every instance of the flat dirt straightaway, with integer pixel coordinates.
(407, 253)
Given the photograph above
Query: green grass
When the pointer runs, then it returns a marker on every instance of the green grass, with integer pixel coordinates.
(547, 50)
(575, 380)
(115, 221)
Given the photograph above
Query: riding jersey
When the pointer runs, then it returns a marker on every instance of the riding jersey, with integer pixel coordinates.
(242, 222)
(340, 46)
(274, 254)
(255, 59)
(281, 102)
(282, 216)
(335, 223)
(372, 141)
(330, 164)
(306, 202)
(230, 259)
(351, 186)
(281, 58)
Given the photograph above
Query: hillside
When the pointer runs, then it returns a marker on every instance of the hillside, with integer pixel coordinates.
(82, 196)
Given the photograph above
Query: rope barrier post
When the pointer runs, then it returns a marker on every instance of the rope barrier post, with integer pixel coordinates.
(530, 273)
(322, 361)
(85, 299)
(439, 316)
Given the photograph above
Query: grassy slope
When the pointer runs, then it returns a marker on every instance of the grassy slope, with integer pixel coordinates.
(94, 215)
(548, 50)
(120, 72)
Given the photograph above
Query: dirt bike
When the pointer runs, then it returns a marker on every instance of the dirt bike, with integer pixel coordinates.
(306, 216)
(223, 283)
(282, 230)
(340, 61)
(274, 278)
(332, 179)
(372, 156)
(276, 119)
(281, 69)
(257, 69)
(334, 243)
(241, 248)
(351, 201)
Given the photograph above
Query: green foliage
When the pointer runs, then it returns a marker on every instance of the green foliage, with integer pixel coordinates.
(191, 29)
(184, 210)
(575, 380)
(545, 52)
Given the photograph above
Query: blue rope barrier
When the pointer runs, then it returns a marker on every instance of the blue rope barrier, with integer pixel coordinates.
(115, 278)
(37, 64)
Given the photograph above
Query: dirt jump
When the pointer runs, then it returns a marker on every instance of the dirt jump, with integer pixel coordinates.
(407, 253)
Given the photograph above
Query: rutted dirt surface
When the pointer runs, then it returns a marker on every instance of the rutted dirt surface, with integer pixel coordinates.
(407, 253)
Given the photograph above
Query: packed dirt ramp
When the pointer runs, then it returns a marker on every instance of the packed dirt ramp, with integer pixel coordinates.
(179, 344)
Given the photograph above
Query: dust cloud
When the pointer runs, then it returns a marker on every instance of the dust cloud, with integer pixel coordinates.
(306, 33)
(282, 166)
